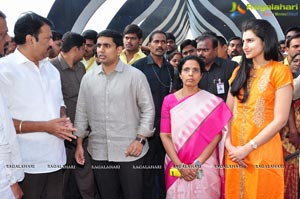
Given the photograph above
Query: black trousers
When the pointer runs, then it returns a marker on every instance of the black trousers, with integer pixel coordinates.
(154, 183)
(117, 180)
(70, 188)
(43, 186)
(84, 176)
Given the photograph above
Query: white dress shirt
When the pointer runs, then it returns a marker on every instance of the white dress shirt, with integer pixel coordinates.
(34, 94)
(10, 159)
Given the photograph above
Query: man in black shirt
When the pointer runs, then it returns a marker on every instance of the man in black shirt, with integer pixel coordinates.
(159, 74)
(217, 71)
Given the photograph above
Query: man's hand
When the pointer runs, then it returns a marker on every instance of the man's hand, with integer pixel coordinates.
(79, 154)
(134, 149)
(17, 191)
(61, 128)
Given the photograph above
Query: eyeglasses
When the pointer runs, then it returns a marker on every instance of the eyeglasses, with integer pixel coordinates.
(188, 70)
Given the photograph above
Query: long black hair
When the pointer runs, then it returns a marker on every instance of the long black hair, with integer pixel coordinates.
(266, 32)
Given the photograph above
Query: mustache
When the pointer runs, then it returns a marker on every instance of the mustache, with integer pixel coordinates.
(201, 57)
(159, 48)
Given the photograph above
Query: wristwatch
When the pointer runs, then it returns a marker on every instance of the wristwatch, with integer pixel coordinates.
(253, 144)
(197, 164)
(141, 140)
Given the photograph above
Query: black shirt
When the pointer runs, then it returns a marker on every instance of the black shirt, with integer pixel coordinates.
(160, 80)
(219, 73)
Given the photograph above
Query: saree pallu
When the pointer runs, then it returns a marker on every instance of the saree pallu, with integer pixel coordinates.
(195, 122)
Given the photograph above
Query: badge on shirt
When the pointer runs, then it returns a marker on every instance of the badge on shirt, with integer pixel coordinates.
(220, 87)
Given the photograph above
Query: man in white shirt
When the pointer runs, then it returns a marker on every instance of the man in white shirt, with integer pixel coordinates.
(11, 171)
(31, 87)
(10, 158)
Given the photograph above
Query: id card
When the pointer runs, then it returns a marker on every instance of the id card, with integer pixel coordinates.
(220, 88)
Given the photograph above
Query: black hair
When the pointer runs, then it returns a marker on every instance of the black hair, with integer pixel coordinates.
(170, 35)
(221, 40)
(170, 56)
(156, 32)
(293, 28)
(71, 39)
(294, 56)
(235, 38)
(266, 32)
(210, 37)
(281, 42)
(133, 29)
(56, 35)
(29, 23)
(288, 41)
(90, 34)
(186, 43)
(190, 57)
(2, 15)
(116, 36)
(209, 32)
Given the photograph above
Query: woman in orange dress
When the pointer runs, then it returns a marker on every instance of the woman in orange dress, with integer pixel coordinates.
(260, 98)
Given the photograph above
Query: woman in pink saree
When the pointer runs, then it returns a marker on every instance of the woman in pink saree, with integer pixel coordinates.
(191, 128)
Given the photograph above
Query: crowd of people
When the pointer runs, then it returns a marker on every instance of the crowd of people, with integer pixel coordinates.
(98, 115)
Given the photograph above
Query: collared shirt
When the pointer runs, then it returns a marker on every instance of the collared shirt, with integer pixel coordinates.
(70, 82)
(138, 55)
(88, 64)
(219, 73)
(160, 80)
(34, 94)
(286, 61)
(117, 107)
(10, 155)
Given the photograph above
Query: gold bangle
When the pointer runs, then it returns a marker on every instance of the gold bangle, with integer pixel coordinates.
(20, 126)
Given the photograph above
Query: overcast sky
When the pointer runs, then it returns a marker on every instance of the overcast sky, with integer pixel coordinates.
(13, 8)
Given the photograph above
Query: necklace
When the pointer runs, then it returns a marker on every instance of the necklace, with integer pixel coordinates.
(164, 85)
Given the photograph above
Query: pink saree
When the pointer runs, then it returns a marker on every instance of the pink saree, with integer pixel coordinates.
(194, 122)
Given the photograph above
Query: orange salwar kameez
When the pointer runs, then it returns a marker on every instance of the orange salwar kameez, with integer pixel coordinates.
(264, 176)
